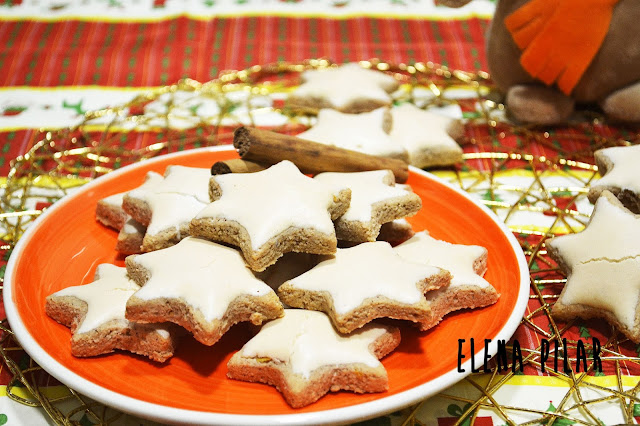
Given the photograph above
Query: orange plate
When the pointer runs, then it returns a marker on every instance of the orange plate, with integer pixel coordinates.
(64, 246)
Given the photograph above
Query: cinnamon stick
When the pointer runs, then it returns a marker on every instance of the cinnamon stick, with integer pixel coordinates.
(235, 166)
(266, 147)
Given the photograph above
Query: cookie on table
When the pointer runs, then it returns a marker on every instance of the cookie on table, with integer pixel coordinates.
(167, 209)
(365, 282)
(602, 264)
(348, 88)
(374, 200)
(109, 210)
(619, 169)
(466, 263)
(429, 138)
(200, 285)
(367, 132)
(303, 356)
(95, 313)
(272, 212)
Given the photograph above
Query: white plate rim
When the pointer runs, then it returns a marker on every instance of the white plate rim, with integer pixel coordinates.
(164, 413)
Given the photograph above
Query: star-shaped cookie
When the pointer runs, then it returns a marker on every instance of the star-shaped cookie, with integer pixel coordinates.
(272, 212)
(167, 208)
(109, 210)
(466, 263)
(602, 264)
(348, 88)
(428, 137)
(95, 313)
(203, 286)
(366, 282)
(619, 169)
(374, 200)
(366, 132)
(303, 356)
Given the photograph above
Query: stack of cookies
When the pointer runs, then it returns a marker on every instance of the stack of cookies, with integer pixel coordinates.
(264, 241)
(355, 111)
(308, 256)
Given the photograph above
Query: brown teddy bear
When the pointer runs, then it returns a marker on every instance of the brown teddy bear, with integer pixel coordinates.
(548, 55)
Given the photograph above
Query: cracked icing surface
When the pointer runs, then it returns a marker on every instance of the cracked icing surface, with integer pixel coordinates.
(603, 261)
(613, 233)
(346, 84)
(624, 173)
(458, 259)
(362, 132)
(367, 189)
(192, 181)
(366, 271)
(306, 340)
(269, 202)
(206, 275)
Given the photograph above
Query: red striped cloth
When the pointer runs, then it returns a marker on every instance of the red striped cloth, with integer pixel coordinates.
(159, 53)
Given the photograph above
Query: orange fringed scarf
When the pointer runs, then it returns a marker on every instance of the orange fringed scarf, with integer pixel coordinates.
(559, 38)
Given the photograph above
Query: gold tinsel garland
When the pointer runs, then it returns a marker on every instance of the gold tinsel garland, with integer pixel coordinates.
(60, 160)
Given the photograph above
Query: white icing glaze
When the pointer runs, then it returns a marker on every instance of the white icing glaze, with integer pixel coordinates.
(364, 271)
(614, 286)
(266, 203)
(367, 188)
(187, 181)
(458, 259)
(624, 173)
(613, 233)
(604, 262)
(358, 132)
(151, 180)
(306, 341)
(346, 84)
(106, 297)
(170, 210)
(418, 130)
(114, 200)
(205, 275)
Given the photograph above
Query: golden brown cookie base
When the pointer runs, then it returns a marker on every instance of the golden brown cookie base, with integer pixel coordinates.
(137, 338)
(292, 239)
(313, 105)
(569, 312)
(453, 299)
(381, 212)
(167, 238)
(299, 392)
(395, 232)
(436, 156)
(110, 215)
(130, 240)
(139, 210)
(370, 309)
(243, 308)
